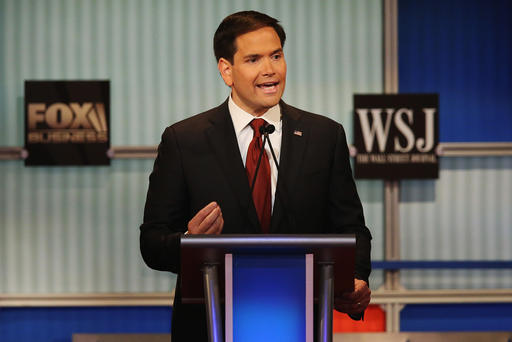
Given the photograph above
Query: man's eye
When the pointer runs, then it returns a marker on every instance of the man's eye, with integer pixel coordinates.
(252, 60)
(276, 57)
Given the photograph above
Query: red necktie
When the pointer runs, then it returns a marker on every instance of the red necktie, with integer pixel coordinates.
(261, 195)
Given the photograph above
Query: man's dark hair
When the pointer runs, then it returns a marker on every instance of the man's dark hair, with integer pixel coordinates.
(237, 24)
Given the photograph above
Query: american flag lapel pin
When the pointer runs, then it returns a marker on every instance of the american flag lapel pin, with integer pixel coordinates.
(298, 133)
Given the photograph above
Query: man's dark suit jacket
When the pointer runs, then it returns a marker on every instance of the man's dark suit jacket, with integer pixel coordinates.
(199, 162)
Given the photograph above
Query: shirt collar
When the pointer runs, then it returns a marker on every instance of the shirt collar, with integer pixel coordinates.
(241, 118)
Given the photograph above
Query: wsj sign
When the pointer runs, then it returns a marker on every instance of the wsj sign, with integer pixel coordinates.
(67, 122)
(396, 136)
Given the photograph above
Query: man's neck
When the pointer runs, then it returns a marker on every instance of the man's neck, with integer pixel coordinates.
(271, 115)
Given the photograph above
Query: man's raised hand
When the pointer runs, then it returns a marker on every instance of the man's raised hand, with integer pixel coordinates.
(207, 220)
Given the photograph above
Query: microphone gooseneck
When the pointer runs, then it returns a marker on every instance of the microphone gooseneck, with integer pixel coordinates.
(269, 129)
(265, 138)
(282, 193)
(265, 130)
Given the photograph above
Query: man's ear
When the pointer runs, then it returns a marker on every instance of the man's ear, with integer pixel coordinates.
(226, 69)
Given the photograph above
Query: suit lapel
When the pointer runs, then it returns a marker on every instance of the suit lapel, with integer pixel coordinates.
(293, 143)
(222, 138)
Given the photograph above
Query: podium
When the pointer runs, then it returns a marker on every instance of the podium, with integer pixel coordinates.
(328, 268)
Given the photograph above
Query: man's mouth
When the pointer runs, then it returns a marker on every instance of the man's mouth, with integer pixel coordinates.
(268, 87)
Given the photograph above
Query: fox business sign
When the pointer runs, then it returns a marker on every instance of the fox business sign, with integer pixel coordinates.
(396, 136)
(67, 122)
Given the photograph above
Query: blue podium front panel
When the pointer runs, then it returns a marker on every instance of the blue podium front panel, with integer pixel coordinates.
(269, 298)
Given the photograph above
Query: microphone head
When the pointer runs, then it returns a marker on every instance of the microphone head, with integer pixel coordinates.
(263, 129)
(267, 129)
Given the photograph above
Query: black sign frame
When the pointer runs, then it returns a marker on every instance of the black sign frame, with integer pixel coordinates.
(67, 122)
(396, 136)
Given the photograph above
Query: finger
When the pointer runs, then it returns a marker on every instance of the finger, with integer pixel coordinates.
(344, 301)
(197, 224)
(354, 308)
(352, 296)
(216, 226)
(349, 296)
(362, 300)
(208, 223)
(361, 290)
(202, 214)
(360, 306)
(221, 224)
(357, 296)
(358, 303)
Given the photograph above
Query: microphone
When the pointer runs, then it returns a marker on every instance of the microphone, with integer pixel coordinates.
(267, 129)
(264, 131)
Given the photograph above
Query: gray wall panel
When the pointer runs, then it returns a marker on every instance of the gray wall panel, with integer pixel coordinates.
(464, 215)
(75, 229)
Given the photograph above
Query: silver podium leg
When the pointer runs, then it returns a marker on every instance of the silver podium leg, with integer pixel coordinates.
(325, 302)
(212, 302)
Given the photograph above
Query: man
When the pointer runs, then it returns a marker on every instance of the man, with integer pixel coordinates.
(202, 178)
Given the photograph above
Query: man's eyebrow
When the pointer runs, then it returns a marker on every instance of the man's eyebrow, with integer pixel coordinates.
(254, 55)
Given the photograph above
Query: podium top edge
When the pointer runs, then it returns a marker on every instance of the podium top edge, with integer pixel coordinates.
(271, 240)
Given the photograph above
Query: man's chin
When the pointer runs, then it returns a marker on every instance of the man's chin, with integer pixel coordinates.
(271, 101)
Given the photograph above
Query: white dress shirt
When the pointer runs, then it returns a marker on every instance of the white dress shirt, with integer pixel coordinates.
(244, 134)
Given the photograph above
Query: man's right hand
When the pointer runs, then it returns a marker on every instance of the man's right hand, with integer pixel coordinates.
(207, 220)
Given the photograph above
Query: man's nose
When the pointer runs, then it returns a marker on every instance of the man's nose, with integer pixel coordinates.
(267, 68)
